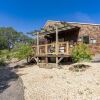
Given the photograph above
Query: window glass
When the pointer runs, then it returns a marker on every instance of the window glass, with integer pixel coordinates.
(86, 39)
(93, 41)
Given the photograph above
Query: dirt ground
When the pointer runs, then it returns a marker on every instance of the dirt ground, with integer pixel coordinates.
(61, 84)
(11, 85)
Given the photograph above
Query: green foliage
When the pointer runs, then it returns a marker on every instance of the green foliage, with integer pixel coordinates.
(2, 62)
(23, 51)
(81, 53)
(3, 43)
(2, 59)
(5, 56)
(8, 54)
(9, 36)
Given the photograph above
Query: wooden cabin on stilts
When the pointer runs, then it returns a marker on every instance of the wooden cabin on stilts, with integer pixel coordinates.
(53, 44)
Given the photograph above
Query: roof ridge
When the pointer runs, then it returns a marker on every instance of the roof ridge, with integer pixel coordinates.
(73, 23)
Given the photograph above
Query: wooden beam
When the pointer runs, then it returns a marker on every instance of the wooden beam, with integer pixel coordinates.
(60, 59)
(46, 47)
(56, 61)
(57, 46)
(37, 47)
(38, 43)
(67, 48)
(46, 60)
(57, 40)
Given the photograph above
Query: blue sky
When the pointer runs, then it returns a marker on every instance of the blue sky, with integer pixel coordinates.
(27, 15)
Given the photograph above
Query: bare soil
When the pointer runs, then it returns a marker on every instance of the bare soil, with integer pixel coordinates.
(11, 85)
(61, 84)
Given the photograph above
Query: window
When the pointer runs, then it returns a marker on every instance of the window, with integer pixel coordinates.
(86, 39)
(93, 41)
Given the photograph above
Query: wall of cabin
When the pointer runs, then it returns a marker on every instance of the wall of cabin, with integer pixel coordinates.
(88, 33)
(91, 35)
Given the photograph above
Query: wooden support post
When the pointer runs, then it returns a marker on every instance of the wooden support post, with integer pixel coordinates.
(56, 40)
(46, 59)
(67, 48)
(37, 47)
(56, 61)
(46, 52)
(57, 46)
(60, 59)
(46, 47)
(37, 43)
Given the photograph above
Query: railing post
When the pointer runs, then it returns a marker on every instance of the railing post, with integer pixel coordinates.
(67, 47)
(38, 43)
(46, 47)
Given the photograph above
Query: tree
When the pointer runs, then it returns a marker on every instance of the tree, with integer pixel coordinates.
(33, 35)
(2, 59)
(3, 43)
(24, 52)
(9, 36)
(81, 53)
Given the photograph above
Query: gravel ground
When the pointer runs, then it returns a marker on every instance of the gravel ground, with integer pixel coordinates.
(61, 84)
(11, 86)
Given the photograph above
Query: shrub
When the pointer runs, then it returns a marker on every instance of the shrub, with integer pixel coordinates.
(2, 62)
(81, 52)
(24, 52)
(2, 58)
(5, 54)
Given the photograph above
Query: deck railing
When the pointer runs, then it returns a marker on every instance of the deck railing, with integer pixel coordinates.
(45, 49)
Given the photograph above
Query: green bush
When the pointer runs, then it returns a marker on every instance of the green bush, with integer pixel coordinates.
(2, 62)
(81, 52)
(24, 52)
(5, 54)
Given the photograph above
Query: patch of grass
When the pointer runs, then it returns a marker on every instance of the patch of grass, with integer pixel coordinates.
(2, 62)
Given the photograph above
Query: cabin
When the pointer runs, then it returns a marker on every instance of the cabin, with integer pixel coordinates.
(55, 41)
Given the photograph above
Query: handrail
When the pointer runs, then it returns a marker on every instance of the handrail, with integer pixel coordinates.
(50, 44)
(44, 47)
